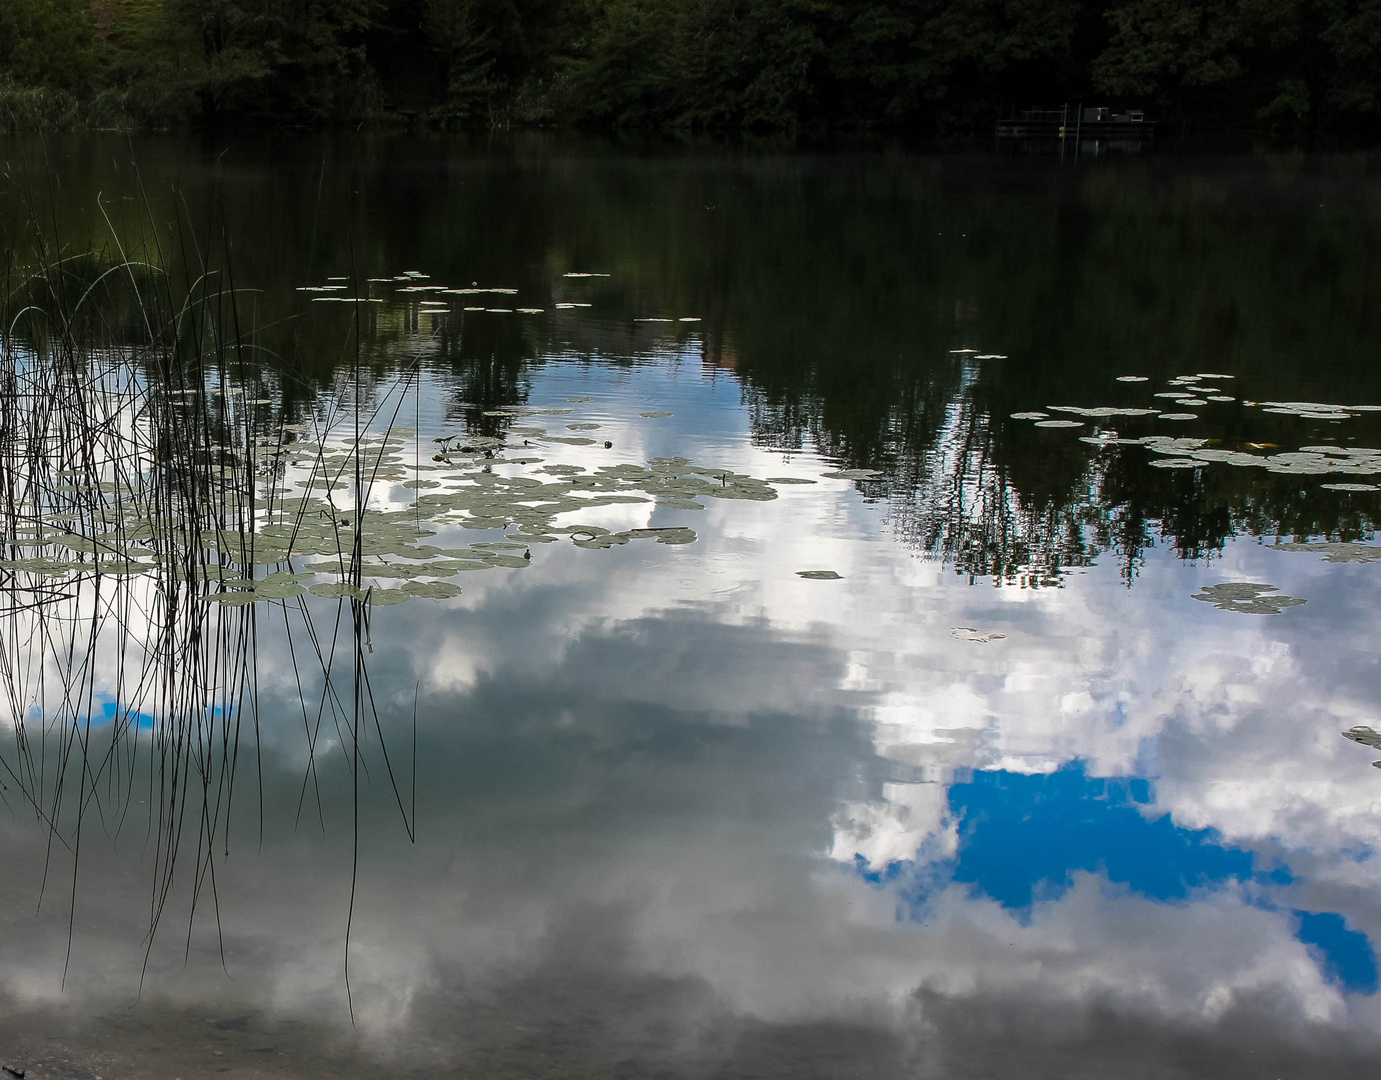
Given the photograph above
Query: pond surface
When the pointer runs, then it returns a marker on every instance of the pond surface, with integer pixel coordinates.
(866, 614)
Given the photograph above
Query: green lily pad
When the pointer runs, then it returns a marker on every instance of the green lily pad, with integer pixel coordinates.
(432, 590)
(1336, 552)
(334, 590)
(1247, 597)
(278, 590)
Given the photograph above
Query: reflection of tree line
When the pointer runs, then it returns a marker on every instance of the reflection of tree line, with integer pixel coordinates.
(997, 498)
(832, 293)
(835, 288)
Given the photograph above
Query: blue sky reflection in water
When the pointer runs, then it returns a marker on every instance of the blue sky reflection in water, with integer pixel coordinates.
(680, 809)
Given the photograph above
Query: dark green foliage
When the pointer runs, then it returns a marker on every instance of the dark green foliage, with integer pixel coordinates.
(46, 43)
(746, 65)
(283, 60)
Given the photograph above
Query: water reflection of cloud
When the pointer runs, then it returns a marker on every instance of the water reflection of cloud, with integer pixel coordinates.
(626, 784)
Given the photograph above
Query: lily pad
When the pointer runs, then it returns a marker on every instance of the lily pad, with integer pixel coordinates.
(968, 633)
(278, 590)
(1336, 552)
(334, 590)
(664, 535)
(1364, 735)
(432, 590)
(1247, 597)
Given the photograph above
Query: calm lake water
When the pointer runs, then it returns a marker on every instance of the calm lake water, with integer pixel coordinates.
(1040, 771)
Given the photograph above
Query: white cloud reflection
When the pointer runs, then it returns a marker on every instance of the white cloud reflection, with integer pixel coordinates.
(665, 763)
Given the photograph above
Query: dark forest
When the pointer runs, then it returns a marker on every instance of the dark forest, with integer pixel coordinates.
(919, 67)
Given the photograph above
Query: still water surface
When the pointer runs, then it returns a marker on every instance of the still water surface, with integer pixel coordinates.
(1015, 783)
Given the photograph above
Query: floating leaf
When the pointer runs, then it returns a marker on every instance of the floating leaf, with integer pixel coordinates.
(664, 535)
(968, 633)
(1247, 597)
(1336, 552)
(334, 590)
(432, 590)
(588, 539)
(278, 590)
(1364, 735)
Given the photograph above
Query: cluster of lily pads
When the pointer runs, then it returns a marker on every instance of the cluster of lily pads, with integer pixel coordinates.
(1195, 391)
(337, 516)
(1246, 597)
(418, 288)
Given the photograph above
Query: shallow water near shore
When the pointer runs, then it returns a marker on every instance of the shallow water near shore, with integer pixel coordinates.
(689, 613)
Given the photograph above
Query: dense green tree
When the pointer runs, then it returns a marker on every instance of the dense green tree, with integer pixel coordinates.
(1351, 74)
(495, 49)
(47, 43)
(280, 59)
(788, 63)
(769, 65)
(1269, 58)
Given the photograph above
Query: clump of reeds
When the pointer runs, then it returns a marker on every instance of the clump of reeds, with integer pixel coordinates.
(137, 461)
